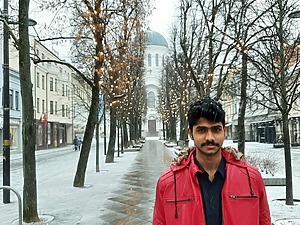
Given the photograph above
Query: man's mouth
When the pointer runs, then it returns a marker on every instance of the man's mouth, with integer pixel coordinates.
(210, 144)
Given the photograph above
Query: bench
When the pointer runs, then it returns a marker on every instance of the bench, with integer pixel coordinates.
(270, 181)
(135, 144)
(170, 144)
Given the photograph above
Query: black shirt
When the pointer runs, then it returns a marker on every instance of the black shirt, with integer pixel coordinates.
(212, 193)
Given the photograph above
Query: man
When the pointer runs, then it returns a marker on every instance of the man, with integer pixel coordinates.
(210, 185)
(75, 143)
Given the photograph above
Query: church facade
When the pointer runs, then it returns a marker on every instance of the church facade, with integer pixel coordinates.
(156, 53)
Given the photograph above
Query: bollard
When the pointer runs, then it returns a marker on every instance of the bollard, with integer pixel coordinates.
(19, 201)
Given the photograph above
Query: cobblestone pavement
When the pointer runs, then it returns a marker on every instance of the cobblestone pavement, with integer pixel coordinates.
(133, 203)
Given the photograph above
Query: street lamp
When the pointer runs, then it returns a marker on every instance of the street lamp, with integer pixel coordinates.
(6, 107)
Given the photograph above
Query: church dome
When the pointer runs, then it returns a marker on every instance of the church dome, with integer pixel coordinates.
(155, 38)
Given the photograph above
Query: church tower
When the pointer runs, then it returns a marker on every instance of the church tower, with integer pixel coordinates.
(156, 52)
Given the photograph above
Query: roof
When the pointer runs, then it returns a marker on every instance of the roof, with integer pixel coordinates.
(155, 38)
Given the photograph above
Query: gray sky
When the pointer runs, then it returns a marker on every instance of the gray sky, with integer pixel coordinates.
(161, 19)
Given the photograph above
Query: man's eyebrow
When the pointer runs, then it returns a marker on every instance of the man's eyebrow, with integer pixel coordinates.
(214, 126)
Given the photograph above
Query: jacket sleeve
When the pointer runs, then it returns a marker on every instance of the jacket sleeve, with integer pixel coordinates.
(159, 214)
(264, 212)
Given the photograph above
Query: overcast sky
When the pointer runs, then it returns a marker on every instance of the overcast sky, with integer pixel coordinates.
(161, 19)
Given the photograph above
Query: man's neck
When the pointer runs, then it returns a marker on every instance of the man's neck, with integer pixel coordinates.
(209, 163)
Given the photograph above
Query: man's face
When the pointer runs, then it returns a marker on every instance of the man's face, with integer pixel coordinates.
(208, 136)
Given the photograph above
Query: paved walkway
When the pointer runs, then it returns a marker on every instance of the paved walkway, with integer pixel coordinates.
(133, 202)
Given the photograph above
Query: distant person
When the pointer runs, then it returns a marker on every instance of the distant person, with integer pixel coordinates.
(75, 143)
(79, 143)
(208, 184)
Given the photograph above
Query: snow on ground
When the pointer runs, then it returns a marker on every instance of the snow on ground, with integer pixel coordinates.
(281, 213)
(75, 199)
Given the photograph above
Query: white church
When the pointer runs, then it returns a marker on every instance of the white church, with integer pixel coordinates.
(156, 52)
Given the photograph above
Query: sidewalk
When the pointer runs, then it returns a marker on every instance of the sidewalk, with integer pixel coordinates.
(59, 202)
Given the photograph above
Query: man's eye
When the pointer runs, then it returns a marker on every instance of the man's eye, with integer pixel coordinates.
(216, 130)
(202, 130)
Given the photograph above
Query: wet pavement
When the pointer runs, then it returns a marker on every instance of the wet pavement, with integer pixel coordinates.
(132, 203)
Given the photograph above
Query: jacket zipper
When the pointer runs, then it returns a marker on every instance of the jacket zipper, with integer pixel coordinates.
(237, 196)
(180, 201)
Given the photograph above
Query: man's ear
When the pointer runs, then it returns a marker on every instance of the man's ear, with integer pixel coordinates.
(190, 133)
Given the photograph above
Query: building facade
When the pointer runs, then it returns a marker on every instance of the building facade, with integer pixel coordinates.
(156, 52)
(52, 97)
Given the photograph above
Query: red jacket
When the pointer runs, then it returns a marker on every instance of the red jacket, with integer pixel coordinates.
(179, 201)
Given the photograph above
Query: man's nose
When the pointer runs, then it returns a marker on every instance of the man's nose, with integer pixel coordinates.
(209, 135)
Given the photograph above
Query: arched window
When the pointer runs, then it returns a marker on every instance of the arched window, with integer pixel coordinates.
(151, 100)
(149, 60)
(156, 60)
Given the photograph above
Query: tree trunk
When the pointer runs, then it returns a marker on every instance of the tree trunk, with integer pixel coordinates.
(173, 135)
(29, 129)
(130, 128)
(242, 108)
(183, 127)
(112, 136)
(97, 145)
(88, 137)
(139, 128)
(168, 132)
(287, 156)
(125, 134)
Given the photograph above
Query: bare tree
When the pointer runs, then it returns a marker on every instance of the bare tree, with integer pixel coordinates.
(28, 133)
(277, 60)
(122, 58)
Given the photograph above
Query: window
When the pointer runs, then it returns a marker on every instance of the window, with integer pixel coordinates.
(51, 84)
(63, 90)
(51, 107)
(43, 106)
(63, 110)
(11, 99)
(156, 60)
(149, 60)
(66, 90)
(67, 109)
(38, 80)
(151, 100)
(55, 108)
(43, 82)
(17, 100)
(38, 105)
(55, 84)
(69, 112)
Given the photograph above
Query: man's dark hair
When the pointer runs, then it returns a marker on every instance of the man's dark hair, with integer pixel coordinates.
(208, 108)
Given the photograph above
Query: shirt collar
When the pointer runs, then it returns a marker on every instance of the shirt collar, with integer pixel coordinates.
(221, 168)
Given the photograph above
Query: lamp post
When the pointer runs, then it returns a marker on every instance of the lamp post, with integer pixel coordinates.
(6, 106)
(6, 113)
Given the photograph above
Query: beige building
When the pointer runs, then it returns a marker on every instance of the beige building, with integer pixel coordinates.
(52, 96)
